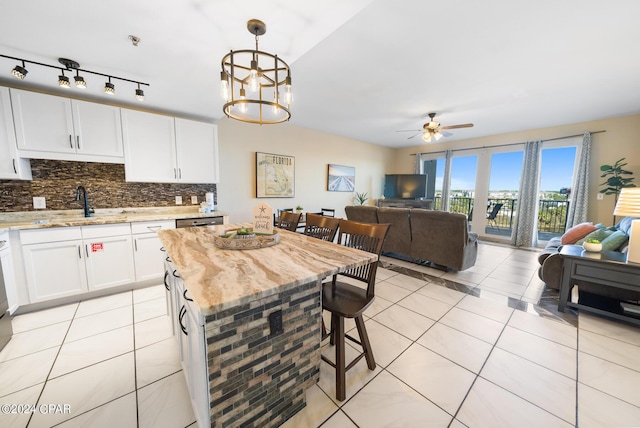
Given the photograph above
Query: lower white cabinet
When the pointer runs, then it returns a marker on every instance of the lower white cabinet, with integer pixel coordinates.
(64, 261)
(147, 247)
(109, 259)
(54, 263)
(190, 334)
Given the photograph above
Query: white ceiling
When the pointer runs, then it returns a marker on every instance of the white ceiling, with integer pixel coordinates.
(360, 68)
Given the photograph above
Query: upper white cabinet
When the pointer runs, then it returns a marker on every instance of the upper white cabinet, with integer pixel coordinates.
(51, 127)
(150, 147)
(11, 166)
(197, 151)
(166, 150)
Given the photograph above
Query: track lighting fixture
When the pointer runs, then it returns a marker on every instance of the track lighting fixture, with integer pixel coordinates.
(63, 81)
(139, 93)
(80, 82)
(109, 88)
(20, 71)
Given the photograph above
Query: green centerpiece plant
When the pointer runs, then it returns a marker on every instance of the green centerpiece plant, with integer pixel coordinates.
(617, 178)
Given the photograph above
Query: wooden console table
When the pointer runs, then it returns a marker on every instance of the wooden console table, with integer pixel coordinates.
(607, 269)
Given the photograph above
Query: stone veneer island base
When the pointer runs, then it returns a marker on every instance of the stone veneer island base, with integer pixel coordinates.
(257, 373)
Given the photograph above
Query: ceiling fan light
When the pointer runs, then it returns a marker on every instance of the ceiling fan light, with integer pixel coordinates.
(437, 135)
(426, 137)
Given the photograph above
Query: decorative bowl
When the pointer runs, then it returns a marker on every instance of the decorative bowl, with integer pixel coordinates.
(245, 242)
(592, 247)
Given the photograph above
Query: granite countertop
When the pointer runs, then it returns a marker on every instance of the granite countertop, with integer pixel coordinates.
(46, 219)
(218, 279)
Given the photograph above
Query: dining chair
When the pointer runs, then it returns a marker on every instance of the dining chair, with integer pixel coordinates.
(288, 220)
(321, 227)
(346, 300)
(328, 212)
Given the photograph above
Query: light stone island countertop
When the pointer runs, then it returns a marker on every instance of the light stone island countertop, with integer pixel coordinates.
(46, 219)
(218, 279)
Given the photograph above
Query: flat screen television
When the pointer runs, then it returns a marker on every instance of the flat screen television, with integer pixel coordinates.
(405, 186)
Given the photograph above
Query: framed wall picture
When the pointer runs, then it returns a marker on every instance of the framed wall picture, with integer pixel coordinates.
(341, 178)
(275, 176)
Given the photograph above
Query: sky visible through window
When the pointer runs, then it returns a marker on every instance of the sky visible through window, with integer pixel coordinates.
(556, 170)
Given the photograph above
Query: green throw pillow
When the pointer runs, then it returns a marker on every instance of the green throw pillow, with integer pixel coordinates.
(600, 234)
(614, 241)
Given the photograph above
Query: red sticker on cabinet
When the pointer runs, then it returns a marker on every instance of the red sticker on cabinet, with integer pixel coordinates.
(98, 246)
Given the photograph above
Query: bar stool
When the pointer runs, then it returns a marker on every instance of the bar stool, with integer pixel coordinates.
(288, 220)
(346, 300)
(320, 227)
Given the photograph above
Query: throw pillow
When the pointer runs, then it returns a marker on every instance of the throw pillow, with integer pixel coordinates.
(577, 232)
(600, 234)
(614, 241)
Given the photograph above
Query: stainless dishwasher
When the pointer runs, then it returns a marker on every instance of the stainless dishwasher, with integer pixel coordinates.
(198, 221)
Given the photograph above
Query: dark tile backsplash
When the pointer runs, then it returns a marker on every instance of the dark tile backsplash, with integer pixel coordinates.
(57, 181)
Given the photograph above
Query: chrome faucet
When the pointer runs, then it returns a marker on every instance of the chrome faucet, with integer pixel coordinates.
(81, 189)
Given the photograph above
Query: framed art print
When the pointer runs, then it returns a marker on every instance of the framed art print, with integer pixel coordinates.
(341, 178)
(275, 176)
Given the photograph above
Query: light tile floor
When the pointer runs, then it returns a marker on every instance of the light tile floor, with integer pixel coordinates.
(479, 348)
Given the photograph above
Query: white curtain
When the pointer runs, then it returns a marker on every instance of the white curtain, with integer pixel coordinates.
(580, 192)
(417, 164)
(446, 181)
(525, 225)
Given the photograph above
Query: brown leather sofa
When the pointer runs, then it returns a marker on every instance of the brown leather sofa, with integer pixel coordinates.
(438, 237)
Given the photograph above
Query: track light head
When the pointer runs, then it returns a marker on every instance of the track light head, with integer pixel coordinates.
(139, 94)
(63, 81)
(20, 72)
(80, 82)
(109, 88)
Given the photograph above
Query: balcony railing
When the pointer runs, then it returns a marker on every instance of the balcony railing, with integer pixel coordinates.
(552, 214)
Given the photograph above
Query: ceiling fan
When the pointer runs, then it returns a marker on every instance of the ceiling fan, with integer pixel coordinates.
(433, 130)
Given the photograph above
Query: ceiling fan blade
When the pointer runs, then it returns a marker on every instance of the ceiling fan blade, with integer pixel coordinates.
(414, 135)
(410, 130)
(445, 133)
(464, 125)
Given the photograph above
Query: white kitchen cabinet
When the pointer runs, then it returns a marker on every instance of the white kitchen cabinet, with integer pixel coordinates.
(164, 149)
(52, 127)
(108, 254)
(11, 166)
(54, 263)
(64, 261)
(150, 147)
(148, 254)
(193, 352)
(8, 272)
(197, 151)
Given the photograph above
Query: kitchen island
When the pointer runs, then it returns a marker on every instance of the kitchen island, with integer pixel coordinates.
(257, 314)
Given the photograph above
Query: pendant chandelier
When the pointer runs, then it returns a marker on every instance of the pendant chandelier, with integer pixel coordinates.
(255, 85)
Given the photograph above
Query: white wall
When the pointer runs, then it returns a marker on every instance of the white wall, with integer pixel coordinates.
(313, 151)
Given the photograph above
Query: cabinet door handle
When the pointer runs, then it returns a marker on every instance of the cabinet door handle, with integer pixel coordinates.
(15, 170)
(70, 141)
(184, 294)
(180, 173)
(154, 229)
(166, 275)
(86, 249)
(181, 314)
(175, 273)
(135, 244)
(79, 252)
(78, 141)
(175, 173)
